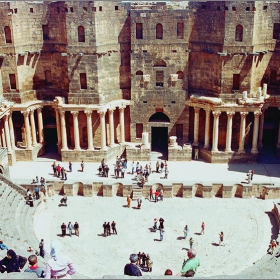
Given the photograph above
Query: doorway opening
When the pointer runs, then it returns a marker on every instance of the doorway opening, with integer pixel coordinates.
(160, 141)
(51, 140)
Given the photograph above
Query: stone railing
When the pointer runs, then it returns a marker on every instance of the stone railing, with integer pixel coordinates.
(16, 187)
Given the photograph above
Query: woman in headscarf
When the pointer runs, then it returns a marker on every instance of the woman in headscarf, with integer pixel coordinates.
(59, 265)
(12, 263)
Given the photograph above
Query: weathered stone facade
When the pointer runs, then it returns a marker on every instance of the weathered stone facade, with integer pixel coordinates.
(85, 79)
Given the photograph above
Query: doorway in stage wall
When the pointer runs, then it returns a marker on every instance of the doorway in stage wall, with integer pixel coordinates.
(50, 140)
(159, 141)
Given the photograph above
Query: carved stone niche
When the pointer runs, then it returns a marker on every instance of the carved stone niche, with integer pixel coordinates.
(174, 77)
(146, 78)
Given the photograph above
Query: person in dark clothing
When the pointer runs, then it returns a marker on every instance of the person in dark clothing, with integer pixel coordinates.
(31, 200)
(63, 229)
(37, 195)
(76, 229)
(41, 248)
(131, 269)
(161, 221)
(12, 263)
(108, 229)
(144, 259)
(105, 229)
(113, 225)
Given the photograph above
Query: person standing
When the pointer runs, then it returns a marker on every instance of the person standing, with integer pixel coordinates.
(273, 246)
(42, 248)
(156, 196)
(82, 166)
(192, 263)
(139, 202)
(144, 259)
(31, 200)
(221, 239)
(128, 199)
(54, 168)
(149, 263)
(131, 268)
(185, 231)
(70, 166)
(157, 167)
(252, 174)
(108, 227)
(191, 241)
(166, 173)
(76, 229)
(202, 228)
(151, 194)
(196, 150)
(155, 224)
(65, 174)
(37, 196)
(122, 171)
(161, 232)
(161, 221)
(132, 167)
(113, 225)
(161, 194)
(58, 169)
(161, 166)
(105, 229)
(63, 229)
(59, 266)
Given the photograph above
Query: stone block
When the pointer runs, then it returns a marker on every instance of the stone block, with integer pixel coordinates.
(68, 190)
(107, 190)
(187, 191)
(127, 190)
(88, 190)
(217, 190)
(228, 192)
(247, 192)
(167, 191)
(207, 191)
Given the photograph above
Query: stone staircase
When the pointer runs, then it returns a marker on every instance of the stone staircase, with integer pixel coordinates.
(136, 192)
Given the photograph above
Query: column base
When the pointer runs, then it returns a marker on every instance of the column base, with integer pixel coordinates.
(77, 149)
(29, 148)
(195, 143)
(206, 147)
(213, 151)
(228, 150)
(254, 151)
(90, 149)
(241, 151)
(64, 149)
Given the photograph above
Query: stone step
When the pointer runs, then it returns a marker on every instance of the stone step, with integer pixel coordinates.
(19, 217)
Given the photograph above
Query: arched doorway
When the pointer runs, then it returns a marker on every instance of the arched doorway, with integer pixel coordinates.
(159, 132)
(50, 134)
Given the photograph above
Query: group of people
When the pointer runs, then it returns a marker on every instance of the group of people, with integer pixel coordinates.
(158, 194)
(60, 170)
(70, 227)
(107, 228)
(59, 266)
(103, 169)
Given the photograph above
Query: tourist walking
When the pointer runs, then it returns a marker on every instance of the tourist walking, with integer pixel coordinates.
(185, 231)
(221, 239)
(161, 194)
(191, 241)
(155, 227)
(70, 166)
(166, 173)
(151, 194)
(161, 232)
(128, 199)
(252, 174)
(132, 167)
(161, 166)
(59, 266)
(192, 263)
(202, 228)
(161, 221)
(139, 202)
(82, 166)
(76, 229)
(42, 248)
(113, 225)
(63, 229)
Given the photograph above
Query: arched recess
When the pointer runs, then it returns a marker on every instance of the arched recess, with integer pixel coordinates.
(238, 190)
(159, 31)
(239, 33)
(139, 73)
(117, 189)
(159, 117)
(78, 188)
(198, 191)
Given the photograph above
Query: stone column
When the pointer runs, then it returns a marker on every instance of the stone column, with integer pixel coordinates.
(63, 130)
(207, 128)
(196, 126)
(76, 130)
(3, 136)
(215, 131)
(242, 132)
(111, 124)
(12, 134)
(122, 137)
(260, 145)
(89, 130)
(58, 128)
(229, 131)
(27, 129)
(33, 128)
(7, 133)
(40, 124)
(103, 130)
(255, 132)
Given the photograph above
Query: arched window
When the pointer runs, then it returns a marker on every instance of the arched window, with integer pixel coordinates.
(139, 73)
(180, 75)
(159, 31)
(239, 33)
(8, 34)
(81, 34)
(273, 78)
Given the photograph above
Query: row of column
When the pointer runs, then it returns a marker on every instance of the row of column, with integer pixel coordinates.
(230, 114)
(62, 134)
(8, 137)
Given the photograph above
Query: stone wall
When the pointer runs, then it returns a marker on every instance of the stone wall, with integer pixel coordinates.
(4, 162)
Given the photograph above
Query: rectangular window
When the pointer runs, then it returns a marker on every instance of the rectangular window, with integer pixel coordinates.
(116, 8)
(45, 32)
(139, 31)
(180, 30)
(100, 9)
(276, 31)
(71, 9)
(83, 80)
(13, 84)
(236, 82)
(139, 130)
(31, 10)
(179, 131)
(159, 78)
(94, 9)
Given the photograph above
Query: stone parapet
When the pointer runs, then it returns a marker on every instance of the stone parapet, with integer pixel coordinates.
(137, 153)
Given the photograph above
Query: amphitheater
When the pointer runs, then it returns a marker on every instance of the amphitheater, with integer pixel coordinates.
(249, 222)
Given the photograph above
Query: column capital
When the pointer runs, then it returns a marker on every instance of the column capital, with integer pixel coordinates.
(39, 109)
(111, 110)
(32, 111)
(122, 107)
(75, 113)
(257, 114)
(25, 113)
(62, 113)
(7, 115)
(230, 114)
(207, 110)
(196, 109)
(88, 112)
(243, 114)
(101, 113)
(216, 114)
